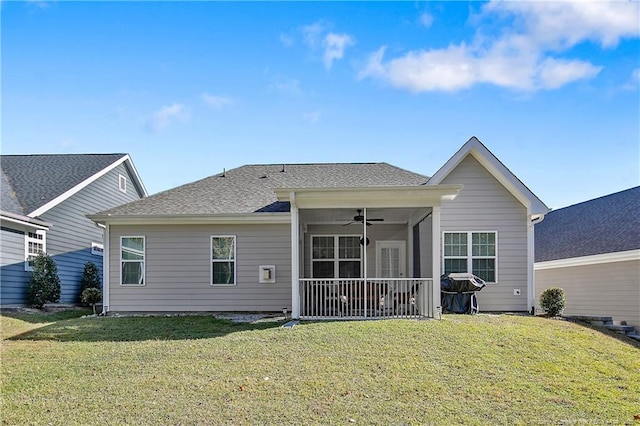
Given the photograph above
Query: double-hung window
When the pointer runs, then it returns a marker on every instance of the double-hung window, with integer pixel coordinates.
(471, 251)
(336, 256)
(223, 260)
(132, 254)
(34, 244)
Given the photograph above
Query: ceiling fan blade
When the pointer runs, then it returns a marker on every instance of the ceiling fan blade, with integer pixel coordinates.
(375, 220)
(350, 223)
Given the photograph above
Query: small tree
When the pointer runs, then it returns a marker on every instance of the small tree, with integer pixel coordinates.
(44, 286)
(91, 296)
(90, 278)
(552, 301)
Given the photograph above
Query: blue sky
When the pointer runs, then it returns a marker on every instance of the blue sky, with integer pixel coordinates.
(551, 88)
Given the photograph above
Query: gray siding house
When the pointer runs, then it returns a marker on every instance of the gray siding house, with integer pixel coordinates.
(45, 200)
(325, 240)
(592, 251)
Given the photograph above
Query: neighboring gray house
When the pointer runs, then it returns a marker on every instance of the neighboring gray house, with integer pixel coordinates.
(592, 251)
(44, 203)
(268, 237)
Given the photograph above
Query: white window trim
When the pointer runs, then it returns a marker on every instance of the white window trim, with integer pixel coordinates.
(122, 183)
(144, 261)
(27, 240)
(97, 249)
(469, 256)
(212, 260)
(336, 259)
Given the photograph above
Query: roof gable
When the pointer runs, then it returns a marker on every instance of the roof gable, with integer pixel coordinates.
(497, 169)
(607, 224)
(251, 188)
(40, 182)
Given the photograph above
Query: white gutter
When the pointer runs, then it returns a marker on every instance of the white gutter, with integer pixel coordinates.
(227, 219)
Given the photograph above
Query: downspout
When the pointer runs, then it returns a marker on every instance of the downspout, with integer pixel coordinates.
(531, 283)
(105, 270)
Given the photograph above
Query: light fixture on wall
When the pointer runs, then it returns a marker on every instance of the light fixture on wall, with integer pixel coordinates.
(362, 241)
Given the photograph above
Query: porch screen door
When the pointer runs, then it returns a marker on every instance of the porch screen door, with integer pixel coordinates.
(391, 259)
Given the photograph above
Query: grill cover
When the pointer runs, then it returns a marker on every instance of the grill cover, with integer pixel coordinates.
(458, 293)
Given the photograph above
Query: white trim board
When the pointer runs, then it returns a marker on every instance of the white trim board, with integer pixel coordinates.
(621, 256)
(497, 169)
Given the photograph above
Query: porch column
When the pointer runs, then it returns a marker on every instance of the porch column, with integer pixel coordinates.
(106, 254)
(435, 248)
(295, 259)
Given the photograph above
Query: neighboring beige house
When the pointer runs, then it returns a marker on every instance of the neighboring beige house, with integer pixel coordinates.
(592, 251)
(325, 240)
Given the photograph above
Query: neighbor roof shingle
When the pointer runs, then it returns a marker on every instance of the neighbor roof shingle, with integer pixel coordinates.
(250, 189)
(607, 224)
(34, 180)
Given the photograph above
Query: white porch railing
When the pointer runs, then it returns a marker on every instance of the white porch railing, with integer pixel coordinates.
(353, 298)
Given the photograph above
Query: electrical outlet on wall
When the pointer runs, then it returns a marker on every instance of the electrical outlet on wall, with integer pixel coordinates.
(516, 292)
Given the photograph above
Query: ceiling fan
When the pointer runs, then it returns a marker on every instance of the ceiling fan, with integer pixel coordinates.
(359, 218)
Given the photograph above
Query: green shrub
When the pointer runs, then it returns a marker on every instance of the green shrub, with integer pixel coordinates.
(90, 278)
(552, 301)
(44, 286)
(91, 296)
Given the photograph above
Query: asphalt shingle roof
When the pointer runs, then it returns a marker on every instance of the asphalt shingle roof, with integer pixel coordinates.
(604, 225)
(250, 189)
(31, 181)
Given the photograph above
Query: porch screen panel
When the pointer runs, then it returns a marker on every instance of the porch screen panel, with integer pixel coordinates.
(349, 254)
(322, 255)
(336, 256)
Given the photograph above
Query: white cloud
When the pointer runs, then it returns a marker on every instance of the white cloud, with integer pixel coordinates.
(286, 40)
(290, 87)
(313, 33)
(164, 116)
(426, 19)
(329, 44)
(217, 102)
(554, 73)
(635, 75)
(524, 54)
(312, 117)
(334, 46)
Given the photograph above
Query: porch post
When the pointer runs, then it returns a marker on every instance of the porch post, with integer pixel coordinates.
(435, 248)
(295, 258)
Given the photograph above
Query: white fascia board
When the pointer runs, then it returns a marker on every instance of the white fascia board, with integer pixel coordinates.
(497, 169)
(136, 176)
(27, 222)
(370, 197)
(65, 195)
(621, 256)
(230, 219)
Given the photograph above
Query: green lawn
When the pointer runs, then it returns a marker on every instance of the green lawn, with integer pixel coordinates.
(482, 369)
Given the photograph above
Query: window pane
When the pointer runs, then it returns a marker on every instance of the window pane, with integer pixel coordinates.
(132, 273)
(223, 247)
(132, 248)
(349, 247)
(323, 269)
(455, 244)
(484, 244)
(223, 273)
(323, 248)
(349, 269)
(455, 265)
(485, 269)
